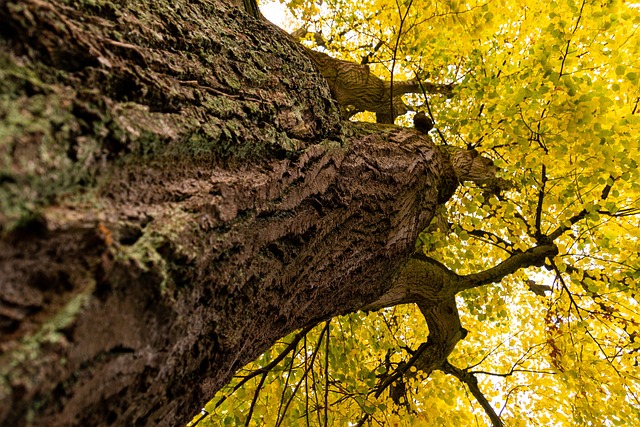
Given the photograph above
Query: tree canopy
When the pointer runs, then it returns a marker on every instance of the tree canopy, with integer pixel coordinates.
(550, 91)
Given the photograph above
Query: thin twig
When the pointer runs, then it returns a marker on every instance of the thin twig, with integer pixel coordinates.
(395, 53)
(543, 180)
(291, 346)
(472, 382)
(325, 330)
(401, 370)
(326, 378)
(426, 101)
(579, 216)
(256, 393)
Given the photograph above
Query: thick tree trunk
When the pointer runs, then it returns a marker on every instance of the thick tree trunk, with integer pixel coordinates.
(178, 192)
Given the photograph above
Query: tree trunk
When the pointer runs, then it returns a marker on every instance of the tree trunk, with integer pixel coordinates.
(178, 192)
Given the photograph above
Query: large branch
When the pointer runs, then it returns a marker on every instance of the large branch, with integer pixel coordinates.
(444, 333)
(534, 256)
(357, 89)
(433, 287)
(353, 85)
(422, 279)
(402, 87)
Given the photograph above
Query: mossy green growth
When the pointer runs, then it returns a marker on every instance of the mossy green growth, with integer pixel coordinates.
(48, 333)
(164, 234)
(36, 126)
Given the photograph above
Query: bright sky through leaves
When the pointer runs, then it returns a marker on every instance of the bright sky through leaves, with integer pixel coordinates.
(550, 90)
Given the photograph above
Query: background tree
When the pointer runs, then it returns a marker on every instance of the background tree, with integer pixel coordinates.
(179, 192)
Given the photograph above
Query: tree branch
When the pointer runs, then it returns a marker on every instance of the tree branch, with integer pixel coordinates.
(445, 331)
(488, 237)
(416, 86)
(532, 257)
(472, 382)
(402, 369)
(423, 88)
(540, 203)
(256, 394)
(394, 57)
(580, 215)
(316, 350)
(267, 368)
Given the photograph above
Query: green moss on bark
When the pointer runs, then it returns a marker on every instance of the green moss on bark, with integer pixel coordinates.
(104, 84)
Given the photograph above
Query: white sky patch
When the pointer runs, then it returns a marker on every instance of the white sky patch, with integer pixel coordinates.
(275, 12)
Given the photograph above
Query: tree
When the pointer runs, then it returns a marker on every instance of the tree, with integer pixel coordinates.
(179, 192)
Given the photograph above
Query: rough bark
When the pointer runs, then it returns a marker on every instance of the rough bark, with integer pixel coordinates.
(178, 192)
